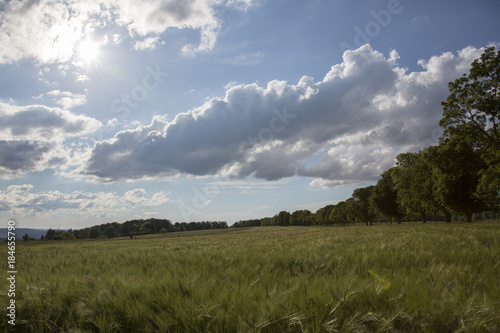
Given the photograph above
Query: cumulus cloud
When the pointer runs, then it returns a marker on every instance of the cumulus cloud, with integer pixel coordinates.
(346, 128)
(39, 122)
(48, 31)
(20, 155)
(31, 137)
(21, 201)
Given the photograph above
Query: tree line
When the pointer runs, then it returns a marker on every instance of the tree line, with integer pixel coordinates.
(458, 177)
(132, 228)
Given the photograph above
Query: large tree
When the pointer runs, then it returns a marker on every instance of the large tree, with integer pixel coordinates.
(414, 184)
(384, 198)
(473, 106)
(433, 159)
(95, 232)
(343, 213)
(302, 217)
(110, 232)
(283, 218)
(456, 165)
(363, 211)
(323, 215)
(472, 112)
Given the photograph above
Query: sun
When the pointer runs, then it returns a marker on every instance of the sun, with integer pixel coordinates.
(88, 50)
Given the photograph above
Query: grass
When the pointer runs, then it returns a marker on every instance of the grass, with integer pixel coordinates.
(427, 278)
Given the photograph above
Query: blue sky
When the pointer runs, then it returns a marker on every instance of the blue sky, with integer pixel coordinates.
(218, 109)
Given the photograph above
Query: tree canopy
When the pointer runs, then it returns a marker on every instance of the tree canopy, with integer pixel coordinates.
(472, 112)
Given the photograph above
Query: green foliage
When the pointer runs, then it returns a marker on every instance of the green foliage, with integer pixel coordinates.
(384, 198)
(95, 232)
(363, 211)
(472, 112)
(110, 232)
(64, 236)
(302, 217)
(50, 234)
(283, 218)
(472, 109)
(247, 223)
(342, 213)
(323, 215)
(444, 278)
(456, 166)
(136, 227)
(414, 185)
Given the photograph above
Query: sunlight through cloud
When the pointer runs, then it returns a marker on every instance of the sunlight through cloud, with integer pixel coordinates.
(88, 50)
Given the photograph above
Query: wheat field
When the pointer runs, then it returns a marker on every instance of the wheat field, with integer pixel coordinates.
(385, 278)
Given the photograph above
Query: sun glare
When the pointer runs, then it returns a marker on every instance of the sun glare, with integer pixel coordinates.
(88, 50)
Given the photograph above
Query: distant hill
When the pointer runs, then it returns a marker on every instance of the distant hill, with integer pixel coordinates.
(33, 233)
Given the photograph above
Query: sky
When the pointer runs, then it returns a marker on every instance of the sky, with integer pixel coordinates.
(219, 110)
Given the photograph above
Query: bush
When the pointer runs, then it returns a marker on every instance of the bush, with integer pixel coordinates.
(64, 236)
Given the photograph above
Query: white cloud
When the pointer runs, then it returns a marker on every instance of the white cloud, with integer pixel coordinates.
(42, 123)
(149, 43)
(140, 197)
(346, 128)
(116, 39)
(230, 84)
(49, 31)
(82, 78)
(66, 99)
(22, 201)
(31, 137)
(208, 37)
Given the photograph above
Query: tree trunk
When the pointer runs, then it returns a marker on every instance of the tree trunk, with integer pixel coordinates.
(447, 214)
(469, 217)
(424, 217)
